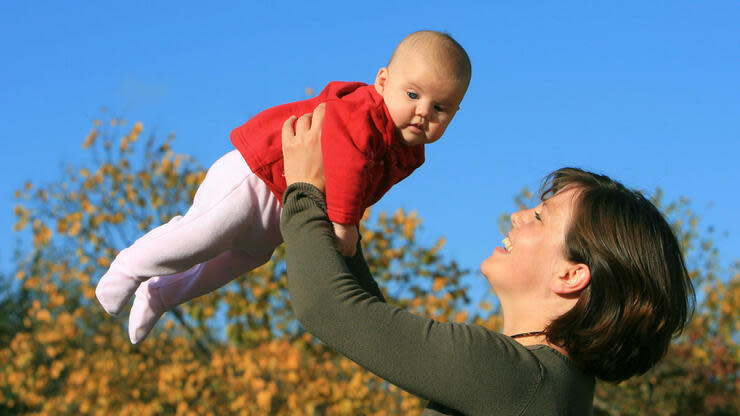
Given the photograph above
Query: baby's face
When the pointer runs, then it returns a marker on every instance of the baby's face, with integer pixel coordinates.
(421, 101)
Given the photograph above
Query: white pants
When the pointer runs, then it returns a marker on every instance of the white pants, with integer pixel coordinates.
(231, 228)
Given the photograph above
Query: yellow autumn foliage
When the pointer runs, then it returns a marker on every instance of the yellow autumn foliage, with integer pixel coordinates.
(240, 350)
(68, 357)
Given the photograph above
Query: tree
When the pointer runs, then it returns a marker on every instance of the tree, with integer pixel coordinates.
(240, 350)
(237, 350)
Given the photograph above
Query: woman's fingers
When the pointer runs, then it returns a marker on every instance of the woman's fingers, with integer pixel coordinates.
(303, 124)
(307, 126)
(318, 118)
(288, 131)
(301, 140)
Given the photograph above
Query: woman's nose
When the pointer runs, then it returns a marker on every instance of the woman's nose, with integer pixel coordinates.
(515, 218)
(518, 217)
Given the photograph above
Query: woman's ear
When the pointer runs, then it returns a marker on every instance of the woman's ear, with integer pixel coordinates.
(574, 278)
(381, 79)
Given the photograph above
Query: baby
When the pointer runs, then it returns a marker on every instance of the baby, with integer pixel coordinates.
(373, 137)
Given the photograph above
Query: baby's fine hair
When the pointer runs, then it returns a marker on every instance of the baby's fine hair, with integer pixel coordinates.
(442, 48)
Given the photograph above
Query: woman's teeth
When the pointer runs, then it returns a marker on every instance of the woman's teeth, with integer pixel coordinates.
(507, 244)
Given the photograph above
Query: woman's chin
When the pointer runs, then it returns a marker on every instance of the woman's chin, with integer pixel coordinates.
(487, 268)
(489, 263)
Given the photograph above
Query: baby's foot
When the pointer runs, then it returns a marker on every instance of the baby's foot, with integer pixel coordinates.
(114, 290)
(145, 313)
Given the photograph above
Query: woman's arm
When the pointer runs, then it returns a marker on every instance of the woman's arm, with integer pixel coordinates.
(464, 367)
(459, 366)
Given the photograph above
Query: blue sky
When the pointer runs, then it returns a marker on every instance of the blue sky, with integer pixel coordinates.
(647, 92)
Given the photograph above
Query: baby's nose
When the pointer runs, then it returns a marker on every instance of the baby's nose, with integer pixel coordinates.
(423, 109)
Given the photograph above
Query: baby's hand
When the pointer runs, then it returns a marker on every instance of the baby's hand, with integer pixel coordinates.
(346, 239)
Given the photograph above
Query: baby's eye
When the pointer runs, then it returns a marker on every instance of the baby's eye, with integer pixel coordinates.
(537, 216)
(412, 95)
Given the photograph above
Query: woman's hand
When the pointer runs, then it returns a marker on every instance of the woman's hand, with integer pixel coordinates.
(302, 149)
(347, 237)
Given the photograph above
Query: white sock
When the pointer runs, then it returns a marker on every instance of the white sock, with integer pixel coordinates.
(145, 312)
(115, 289)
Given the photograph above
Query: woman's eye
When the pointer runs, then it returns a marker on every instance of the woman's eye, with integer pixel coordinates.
(537, 216)
(439, 108)
(412, 95)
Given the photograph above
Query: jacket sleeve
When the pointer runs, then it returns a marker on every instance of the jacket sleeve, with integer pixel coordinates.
(460, 366)
(349, 146)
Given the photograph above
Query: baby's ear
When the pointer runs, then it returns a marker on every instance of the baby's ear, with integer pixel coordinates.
(381, 79)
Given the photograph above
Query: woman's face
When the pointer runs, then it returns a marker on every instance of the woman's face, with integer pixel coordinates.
(535, 250)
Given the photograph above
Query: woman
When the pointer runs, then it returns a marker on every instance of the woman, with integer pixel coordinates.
(591, 283)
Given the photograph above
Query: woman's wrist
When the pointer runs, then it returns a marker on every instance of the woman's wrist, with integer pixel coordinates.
(298, 194)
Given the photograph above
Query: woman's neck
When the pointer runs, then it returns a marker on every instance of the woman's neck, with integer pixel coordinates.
(528, 321)
(520, 318)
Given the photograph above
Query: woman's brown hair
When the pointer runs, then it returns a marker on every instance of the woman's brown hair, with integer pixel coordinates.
(640, 294)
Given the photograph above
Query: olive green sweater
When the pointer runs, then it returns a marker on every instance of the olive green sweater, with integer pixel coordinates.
(463, 367)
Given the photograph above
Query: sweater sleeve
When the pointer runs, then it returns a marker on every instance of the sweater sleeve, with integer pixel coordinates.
(463, 367)
(359, 269)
